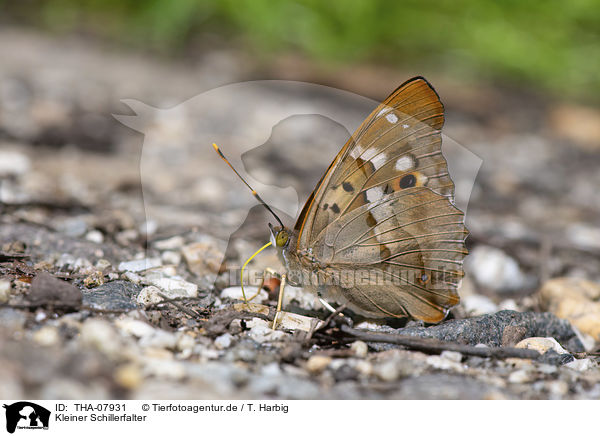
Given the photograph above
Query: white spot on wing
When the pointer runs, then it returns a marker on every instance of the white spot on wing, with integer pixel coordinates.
(392, 118)
(375, 157)
(356, 151)
(374, 194)
(382, 111)
(405, 126)
(404, 163)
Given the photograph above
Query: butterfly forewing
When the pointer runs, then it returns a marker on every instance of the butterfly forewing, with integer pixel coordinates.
(397, 146)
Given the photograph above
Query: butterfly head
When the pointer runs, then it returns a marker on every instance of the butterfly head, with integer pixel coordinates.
(280, 236)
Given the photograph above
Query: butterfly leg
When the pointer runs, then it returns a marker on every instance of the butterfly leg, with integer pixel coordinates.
(279, 300)
(327, 306)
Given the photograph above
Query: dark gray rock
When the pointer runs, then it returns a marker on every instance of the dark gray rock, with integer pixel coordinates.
(490, 329)
(117, 295)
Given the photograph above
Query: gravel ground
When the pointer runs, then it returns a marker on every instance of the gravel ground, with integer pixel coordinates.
(118, 276)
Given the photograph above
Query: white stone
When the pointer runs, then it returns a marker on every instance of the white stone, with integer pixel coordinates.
(223, 341)
(171, 257)
(508, 304)
(149, 295)
(132, 277)
(133, 327)
(102, 264)
(495, 270)
(261, 331)
(454, 356)
(235, 293)
(387, 371)
(95, 236)
(160, 339)
(541, 345)
(581, 364)
(47, 336)
(13, 163)
(440, 362)
(140, 265)
(173, 243)
(4, 291)
(360, 348)
(519, 376)
(173, 285)
(317, 363)
(476, 305)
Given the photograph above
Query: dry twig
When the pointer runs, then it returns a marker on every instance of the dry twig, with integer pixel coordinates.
(434, 346)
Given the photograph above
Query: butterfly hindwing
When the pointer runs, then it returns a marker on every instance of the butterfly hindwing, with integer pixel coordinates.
(411, 242)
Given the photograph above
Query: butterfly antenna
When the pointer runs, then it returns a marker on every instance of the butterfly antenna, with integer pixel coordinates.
(260, 200)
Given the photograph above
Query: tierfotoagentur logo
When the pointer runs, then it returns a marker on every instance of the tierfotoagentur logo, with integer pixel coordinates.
(25, 415)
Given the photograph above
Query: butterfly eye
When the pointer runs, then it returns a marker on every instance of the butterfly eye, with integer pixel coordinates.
(282, 238)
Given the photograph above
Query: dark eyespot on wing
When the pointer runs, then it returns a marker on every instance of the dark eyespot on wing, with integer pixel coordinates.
(408, 181)
(325, 206)
(347, 187)
(335, 208)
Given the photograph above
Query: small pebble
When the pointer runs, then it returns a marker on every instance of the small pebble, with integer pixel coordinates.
(95, 236)
(542, 345)
(387, 371)
(173, 286)
(4, 291)
(132, 277)
(581, 364)
(495, 270)
(317, 363)
(140, 265)
(453, 356)
(235, 293)
(360, 348)
(13, 163)
(149, 295)
(46, 336)
(173, 243)
(203, 257)
(440, 362)
(94, 280)
(128, 376)
(134, 327)
(577, 300)
(519, 376)
(224, 341)
(476, 305)
(102, 265)
(170, 257)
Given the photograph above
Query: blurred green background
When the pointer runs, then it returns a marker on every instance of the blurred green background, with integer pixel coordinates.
(551, 46)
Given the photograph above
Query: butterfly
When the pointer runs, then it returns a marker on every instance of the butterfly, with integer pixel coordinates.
(380, 232)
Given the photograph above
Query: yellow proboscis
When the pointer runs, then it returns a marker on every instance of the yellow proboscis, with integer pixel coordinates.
(242, 273)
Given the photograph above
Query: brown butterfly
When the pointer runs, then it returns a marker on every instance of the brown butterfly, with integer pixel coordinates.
(380, 232)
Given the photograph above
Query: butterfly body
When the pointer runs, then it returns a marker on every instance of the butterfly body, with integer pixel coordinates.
(380, 232)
